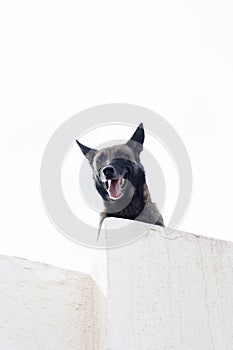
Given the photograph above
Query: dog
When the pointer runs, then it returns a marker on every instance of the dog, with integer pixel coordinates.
(120, 180)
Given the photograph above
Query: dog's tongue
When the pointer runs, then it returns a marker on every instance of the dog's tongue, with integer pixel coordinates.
(114, 188)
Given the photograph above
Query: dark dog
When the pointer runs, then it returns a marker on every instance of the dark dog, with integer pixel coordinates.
(120, 180)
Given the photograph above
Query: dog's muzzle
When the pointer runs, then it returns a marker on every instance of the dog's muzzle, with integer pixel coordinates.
(109, 172)
(113, 183)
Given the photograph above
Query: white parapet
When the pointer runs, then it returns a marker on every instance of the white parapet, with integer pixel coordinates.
(47, 308)
(170, 291)
(165, 291)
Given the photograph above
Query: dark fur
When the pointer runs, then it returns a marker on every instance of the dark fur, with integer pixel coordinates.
(123, 161)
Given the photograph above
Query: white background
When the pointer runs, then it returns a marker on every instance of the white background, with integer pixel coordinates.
(60, 57)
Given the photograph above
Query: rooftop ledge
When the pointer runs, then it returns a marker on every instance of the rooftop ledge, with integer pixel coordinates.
(166, 290)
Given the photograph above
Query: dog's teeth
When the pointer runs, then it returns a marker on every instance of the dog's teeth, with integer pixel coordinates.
(109, 183)
(122, 181)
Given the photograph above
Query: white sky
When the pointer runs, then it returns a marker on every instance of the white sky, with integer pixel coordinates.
(60, 57)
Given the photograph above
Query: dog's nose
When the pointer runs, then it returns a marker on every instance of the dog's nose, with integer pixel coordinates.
(108, 171)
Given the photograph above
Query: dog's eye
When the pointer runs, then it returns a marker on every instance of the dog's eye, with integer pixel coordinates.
(99, 163)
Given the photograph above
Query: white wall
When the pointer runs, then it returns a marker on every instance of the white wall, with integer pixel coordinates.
(164, 291)
(45, 308)
(170, 291)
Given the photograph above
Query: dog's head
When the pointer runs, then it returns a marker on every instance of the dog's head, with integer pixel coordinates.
(115, 168)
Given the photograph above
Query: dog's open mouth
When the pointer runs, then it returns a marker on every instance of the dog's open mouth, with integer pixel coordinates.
(115, 187)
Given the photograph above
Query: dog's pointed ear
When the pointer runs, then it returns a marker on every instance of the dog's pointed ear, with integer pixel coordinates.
(88, 152)
(136, 141)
